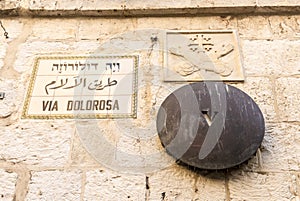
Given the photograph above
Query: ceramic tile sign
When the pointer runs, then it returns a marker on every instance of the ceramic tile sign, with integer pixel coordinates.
(82, 87)
(202, 55)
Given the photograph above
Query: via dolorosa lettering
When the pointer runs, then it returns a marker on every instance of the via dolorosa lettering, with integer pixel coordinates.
(94, 105)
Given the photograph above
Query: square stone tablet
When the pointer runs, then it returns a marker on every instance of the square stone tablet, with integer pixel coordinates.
(202, 55)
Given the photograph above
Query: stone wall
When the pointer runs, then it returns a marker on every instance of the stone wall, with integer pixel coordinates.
(46, 159)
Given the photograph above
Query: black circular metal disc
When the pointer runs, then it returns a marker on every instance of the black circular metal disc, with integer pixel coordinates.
(210, 125)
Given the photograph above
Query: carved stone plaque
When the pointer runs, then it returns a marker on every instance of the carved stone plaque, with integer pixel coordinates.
(82, 87)
(202, 55)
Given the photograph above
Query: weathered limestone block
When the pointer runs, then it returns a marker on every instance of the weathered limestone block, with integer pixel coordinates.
(277, 3)
(12, 104)
(260, 186)
(10, 4)
(260, 89)
(55, 185)
(182, 23)
(187, 4)
(79, 156)
(36, 143)
(254, 27)
(8, 104)
(2, 54)
(47, 5)
(108, 185)
(135, 4)
(104, 29)
(7, 185)
(179, 183)
(212, 22)
(269, 27)
(281, 147)
(31, 49)
(285, 26)
(54, 29)
(279, 150)
(288, 97)
(13, 29)
(265, 58)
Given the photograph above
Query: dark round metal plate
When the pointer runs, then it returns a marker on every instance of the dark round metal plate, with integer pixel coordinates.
(210, 125)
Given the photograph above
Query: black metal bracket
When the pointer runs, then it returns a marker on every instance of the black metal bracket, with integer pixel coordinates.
(2, 95)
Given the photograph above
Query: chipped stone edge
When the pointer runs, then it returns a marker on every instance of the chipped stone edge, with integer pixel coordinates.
(144, 12)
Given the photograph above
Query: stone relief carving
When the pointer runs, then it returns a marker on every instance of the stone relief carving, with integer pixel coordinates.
(202, 55)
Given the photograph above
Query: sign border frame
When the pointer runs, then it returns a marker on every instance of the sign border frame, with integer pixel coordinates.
(33, 76)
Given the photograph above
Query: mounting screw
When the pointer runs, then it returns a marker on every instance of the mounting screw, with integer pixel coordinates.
(2, 95)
